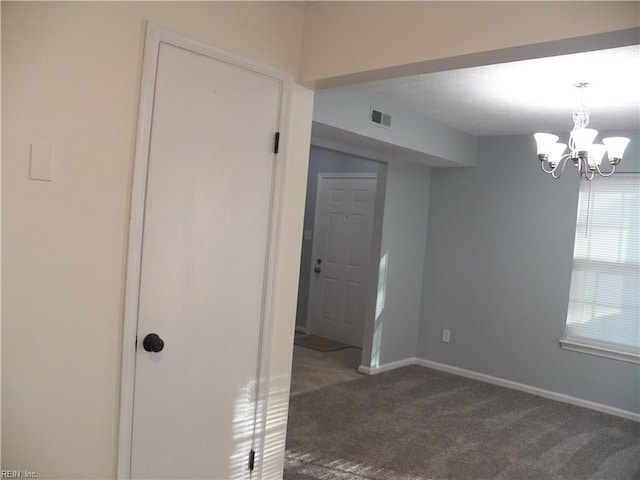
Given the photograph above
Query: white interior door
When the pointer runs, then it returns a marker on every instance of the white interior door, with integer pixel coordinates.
(203, 263)
(342, 256)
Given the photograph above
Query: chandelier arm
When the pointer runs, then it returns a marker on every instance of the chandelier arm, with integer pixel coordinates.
(545, 170)
(562, 162)
(583, 167)
(605, 174)
(589, 175)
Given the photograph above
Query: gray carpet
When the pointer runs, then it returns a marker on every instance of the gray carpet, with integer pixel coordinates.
(415, 423)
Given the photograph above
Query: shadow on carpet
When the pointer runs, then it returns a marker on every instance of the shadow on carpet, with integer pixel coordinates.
(416, 423)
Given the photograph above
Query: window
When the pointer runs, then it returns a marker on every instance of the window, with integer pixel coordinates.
(604, 303)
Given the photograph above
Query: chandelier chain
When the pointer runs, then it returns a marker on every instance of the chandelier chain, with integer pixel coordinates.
(581, 111)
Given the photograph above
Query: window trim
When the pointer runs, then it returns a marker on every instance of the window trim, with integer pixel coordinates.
(601, 350)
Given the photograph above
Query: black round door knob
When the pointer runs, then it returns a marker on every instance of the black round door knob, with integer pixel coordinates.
(153, 343)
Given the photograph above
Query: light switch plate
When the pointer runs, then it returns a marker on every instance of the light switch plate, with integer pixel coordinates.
(41, 165)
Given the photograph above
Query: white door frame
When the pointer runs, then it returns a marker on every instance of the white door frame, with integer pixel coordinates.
(154, 37)
(371, 270)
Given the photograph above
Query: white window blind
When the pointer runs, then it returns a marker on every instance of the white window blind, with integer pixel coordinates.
(604, 303)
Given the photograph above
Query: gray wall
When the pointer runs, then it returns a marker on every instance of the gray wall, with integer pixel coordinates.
(322, 161)
(404, 234)
(497, 274)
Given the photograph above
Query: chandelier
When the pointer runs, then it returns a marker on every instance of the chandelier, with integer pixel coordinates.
(585, 155)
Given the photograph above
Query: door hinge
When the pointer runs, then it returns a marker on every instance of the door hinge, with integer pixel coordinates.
(136, 347)
(252, 459)
(276, 143)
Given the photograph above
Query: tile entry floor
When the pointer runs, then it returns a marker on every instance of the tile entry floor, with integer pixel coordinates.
(313, 369)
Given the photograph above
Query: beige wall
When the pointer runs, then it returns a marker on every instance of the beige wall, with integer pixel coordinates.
(71, 75)
(373, 40)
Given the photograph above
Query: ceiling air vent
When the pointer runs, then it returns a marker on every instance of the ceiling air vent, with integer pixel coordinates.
(380, 118)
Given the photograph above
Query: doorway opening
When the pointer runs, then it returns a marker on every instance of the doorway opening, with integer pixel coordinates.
(338, 269)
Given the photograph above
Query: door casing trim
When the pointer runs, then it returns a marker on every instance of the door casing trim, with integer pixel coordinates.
(155, 35)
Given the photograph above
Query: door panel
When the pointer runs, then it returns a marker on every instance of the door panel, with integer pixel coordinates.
(205, 235)
(342, 243)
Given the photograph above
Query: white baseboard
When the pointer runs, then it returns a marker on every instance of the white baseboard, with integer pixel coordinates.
(560, 397)
(387, 366)
(301, 329)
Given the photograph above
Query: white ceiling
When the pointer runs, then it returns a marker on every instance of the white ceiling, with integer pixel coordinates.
(526, 96)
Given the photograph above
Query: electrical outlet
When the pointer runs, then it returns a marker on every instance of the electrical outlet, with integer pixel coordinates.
(446, 336)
